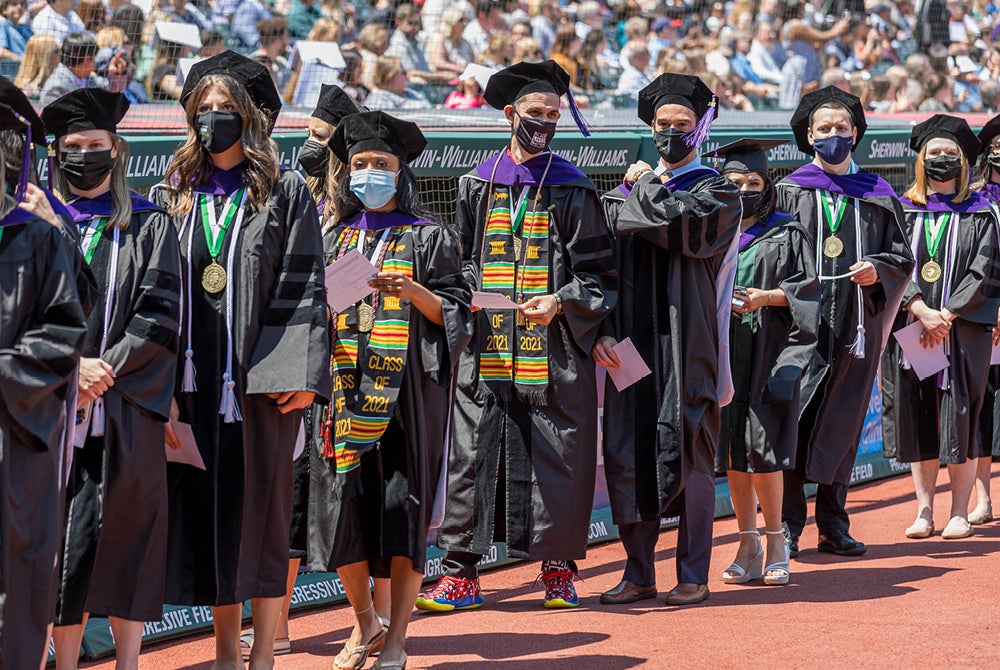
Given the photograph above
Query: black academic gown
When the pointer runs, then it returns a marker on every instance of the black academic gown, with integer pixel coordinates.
(670, 247)
(989, 417)
(389, 514)
(42, 327)
(115, 538)
(768, 353)
(539, 499)
(835, 384)
(921, 421)
(228, 528)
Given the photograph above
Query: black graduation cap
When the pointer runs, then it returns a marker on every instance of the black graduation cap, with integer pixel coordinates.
(989, 133)
(377, 131)
(85, 109)
(15, 104)
(811, 101)
(948, 127)
(334, 104)
(678, 89)
(746, 155)
(253, 76)
(513, 83)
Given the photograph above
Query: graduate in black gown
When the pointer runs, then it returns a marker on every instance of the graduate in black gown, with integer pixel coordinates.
(114, 546)
(954, 293)
(255, 350)
(676, 244)
(378, 463)
(771, 337)
(42, 326)
(856, 224)
(524, 436)
(988, 185)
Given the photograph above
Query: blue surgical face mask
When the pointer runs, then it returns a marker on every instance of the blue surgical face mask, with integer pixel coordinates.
(374, 188)
(834, 150)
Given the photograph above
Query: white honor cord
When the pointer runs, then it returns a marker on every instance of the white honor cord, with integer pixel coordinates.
(857, 347)
(97, 411)
(227, 406)
(187, 383)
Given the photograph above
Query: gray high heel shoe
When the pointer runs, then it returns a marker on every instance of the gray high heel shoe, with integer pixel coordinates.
(738, 574)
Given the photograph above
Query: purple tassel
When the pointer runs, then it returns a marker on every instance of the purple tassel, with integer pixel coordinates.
(701, 131)
(575, 111)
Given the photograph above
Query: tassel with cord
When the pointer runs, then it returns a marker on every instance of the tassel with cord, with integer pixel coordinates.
(858, 348)
(187, 382)
(227, 408)
(697, 137)
(97, 418)
(577, 116)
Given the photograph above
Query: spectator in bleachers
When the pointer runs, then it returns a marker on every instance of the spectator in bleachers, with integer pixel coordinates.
(223, 12)
(528, 51)
(515, 11)
(545, 16)
(372, 43)
(566, 51)
(989, 93)
(803, 40)
(447, 50)
(110, 40)
(499, 54)
(325, 30)
(636, 29)
(766, 55)
(489, 18)
(41, 55)
(589, 17)
(161, 84)
(130, 18)
(404, 45)
(635, 76)
(272, 54)
(78, 58)
(753, 83)
(940, 94)
(212, 43)
(663, 34)
(93, 13)
(468, 95)
(380, 12)
(13, 34)
(593, 46)
(245, 18)
(392, 90)
(350, 78)
(519, 30)
(301, 17)
(58, 19)
(179, 11)
(835, 76)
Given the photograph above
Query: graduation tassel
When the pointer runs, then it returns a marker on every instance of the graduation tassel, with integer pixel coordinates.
(97, 418)
(858, 348)
(187, 383)
(575, 111)
(227, 408)
(701, 131)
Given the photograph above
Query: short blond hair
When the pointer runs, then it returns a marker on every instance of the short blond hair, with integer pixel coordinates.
(920, 188)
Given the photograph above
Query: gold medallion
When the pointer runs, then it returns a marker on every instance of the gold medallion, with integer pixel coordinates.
(517, 248)
(366, 318)
(931, 272)
(213, 279)
(833, 247)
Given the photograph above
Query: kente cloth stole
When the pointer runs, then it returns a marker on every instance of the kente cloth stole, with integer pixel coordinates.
(365, 394)
(515, 262)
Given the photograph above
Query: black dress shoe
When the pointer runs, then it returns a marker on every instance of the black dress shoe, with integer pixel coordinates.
(840, 542)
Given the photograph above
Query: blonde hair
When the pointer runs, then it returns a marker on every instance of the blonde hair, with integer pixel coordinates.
(386, 67)
(121, 214)
(38, 62)
(325, 30)
(920, 188)
(110, 36)
(374, 37)
(192, 165)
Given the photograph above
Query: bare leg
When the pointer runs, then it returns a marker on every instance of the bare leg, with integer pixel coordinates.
(67, 642)
(356, 580)
(226, 621)
(745, 506)
(383, 597)
(45, 655)
(128, 641)
(281, 632)
(925, 474)
(266, 612)
(405, 587)
(963, 478)
(984, 502)
(770, 487)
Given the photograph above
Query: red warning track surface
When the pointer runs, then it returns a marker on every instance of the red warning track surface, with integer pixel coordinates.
(906, 604)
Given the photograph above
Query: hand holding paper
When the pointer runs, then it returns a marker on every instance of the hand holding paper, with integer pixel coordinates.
(347, 280)
(925, 362)
(631, 367)
(187, 453)
(484, 300)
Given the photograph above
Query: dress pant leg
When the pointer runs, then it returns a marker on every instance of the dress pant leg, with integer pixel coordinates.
(793, 501)
(694, 537)
(831, 508)
(639, 540)
(461, 564)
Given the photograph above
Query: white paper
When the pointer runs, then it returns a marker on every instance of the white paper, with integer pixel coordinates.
(347, 280)
(925, 362)
(183, 67)
(631, 367)
(185, 34)
(957, 32)
(327, 53)
(300, 442)
(188, 453)
(995, 355)
(492, 301)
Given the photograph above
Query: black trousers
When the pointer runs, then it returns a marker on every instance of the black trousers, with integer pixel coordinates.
(831, 503)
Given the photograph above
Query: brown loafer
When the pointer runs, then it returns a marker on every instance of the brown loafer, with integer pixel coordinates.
(687, 594)
(627, 592)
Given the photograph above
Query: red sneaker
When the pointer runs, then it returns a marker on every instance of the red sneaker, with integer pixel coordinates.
(451, 593)
(559, 590)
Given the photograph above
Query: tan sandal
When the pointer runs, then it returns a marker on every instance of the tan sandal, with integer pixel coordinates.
(362, 651)
(282, 645)
(382, 665)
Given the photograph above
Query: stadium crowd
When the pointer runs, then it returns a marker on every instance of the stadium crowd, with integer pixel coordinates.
(936, 55)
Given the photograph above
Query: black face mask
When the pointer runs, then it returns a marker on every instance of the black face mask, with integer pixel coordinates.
(314, 157)
(994, 161)
(85, 170)
(534, 135)
(219, 130)
(942, 168)
(752, 201)
(671, 145)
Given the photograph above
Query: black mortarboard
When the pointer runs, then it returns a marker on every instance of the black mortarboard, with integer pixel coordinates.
(16, 105)
(989, 133)
(85, 109)
(746, 155)
(811, 101)
(948, 127)
(513, 83)
(377, 131)
(253, 76)
(677, 89)
(334, 104)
